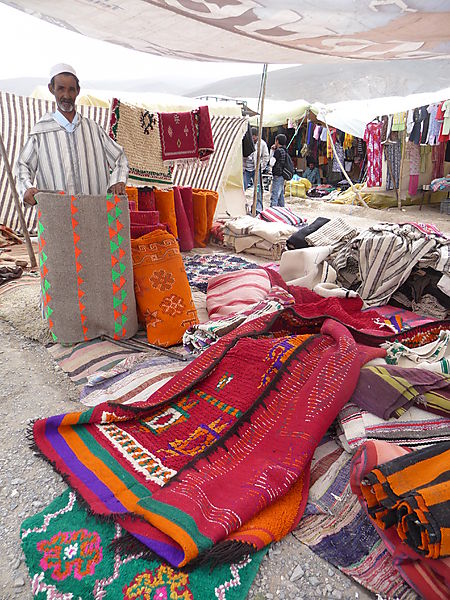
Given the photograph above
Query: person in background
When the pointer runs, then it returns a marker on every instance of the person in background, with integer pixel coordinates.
(312, 172)
(264, 161)
(67, 152)
(277, 161)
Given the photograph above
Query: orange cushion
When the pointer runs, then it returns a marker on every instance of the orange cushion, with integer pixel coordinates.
(132, 194)
(200, 218)
(162, 289)
(165, 203)
(211, 203)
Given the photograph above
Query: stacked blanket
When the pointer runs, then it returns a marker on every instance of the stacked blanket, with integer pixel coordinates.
(257, 236)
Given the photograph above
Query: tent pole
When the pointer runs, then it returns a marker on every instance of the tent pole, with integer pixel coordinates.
(341, 166)
(33, 263)
(258, 146)
(402, 161)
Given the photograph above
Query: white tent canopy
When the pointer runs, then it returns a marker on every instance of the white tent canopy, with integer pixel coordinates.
(281, 31)
(352, 117)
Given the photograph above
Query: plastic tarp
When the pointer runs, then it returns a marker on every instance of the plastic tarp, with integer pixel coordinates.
(281, 31)
(353, 116)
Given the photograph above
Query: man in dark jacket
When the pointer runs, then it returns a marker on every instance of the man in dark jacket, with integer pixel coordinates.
(277, 162)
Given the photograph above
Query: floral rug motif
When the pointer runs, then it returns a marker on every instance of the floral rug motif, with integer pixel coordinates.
(69, 557)
(200, 267)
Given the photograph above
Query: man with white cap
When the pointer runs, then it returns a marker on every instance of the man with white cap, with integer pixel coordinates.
(68, 152)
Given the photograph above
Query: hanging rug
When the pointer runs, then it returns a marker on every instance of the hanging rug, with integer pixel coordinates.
(136, 130)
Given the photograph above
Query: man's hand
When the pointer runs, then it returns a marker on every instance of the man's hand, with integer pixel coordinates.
(28, 197)
(118, 189)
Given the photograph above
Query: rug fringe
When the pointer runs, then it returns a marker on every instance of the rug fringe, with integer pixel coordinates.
(227, 552)
(127, 544)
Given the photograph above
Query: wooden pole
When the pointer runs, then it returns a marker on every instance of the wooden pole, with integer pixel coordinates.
(26, 235)
(257, 182)
(402, 137)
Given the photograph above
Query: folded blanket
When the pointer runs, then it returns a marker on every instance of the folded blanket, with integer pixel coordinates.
(162, 289)
(85, 264)
(214, 458)
(335, 233)
(406, 495)
(415, 428)
(298, 238)
(232, 292)
(387, 391)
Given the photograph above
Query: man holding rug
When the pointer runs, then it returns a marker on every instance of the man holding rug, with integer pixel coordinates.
(68, 152)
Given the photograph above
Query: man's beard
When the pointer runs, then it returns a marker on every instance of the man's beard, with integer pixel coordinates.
(66, 106)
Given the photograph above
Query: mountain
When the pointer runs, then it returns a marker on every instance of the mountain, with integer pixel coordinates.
(24, 86)
(336, 82)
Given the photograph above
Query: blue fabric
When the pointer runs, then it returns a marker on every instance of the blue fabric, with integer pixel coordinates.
(248, 178)
(277, 196)
(61, 119)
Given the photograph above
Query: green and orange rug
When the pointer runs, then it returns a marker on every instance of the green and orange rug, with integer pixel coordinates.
(69, 555)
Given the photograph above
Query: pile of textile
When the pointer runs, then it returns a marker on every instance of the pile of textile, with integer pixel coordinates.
(256, 236)
(265, 235)
(406, 264)
(184, 212)
(208, 460)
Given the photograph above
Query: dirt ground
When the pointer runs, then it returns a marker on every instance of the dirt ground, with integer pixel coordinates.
(33, 386)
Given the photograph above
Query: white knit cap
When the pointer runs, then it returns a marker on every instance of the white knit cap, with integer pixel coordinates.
(61, 68)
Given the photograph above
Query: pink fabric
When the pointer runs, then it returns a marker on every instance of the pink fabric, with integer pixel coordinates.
(146, 199)
(131, 205)
(144, 217)
(137, 231)
(413, 185)
(372, 137)
(185, 237)
(186, 196)
(235, 291)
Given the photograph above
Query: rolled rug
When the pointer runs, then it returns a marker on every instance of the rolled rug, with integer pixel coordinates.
(200, 217)
(185, 236)
(186, 196)
(165, 204)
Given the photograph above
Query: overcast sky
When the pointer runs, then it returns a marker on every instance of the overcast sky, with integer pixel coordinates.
(30, 46)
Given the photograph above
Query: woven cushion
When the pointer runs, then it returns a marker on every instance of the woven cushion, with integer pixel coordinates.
(231, 292)
(281, 214)
(162, 289)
